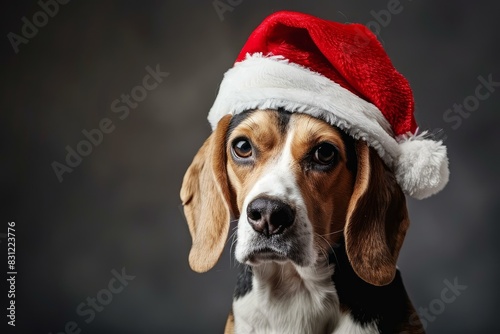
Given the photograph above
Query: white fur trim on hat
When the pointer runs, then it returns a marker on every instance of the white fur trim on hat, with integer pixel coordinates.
(272, 82)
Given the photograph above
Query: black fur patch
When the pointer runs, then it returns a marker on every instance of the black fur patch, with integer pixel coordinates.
(283, 119)
(236, 120)
(244, 282)
(350, 148)
(387, 305)
(282, 114)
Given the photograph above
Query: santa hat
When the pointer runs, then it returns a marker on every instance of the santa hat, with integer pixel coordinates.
(339, 73)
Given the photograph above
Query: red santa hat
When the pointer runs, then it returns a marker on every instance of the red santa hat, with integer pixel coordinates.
(339, 73)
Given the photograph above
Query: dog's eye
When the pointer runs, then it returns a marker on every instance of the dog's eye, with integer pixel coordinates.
(325, 154)
(242, 148)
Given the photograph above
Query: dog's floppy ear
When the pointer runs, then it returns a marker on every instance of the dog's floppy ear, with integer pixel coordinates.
(206, 199)
(377, 219)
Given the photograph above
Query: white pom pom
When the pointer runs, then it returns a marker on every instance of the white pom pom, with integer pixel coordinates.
(422, 167)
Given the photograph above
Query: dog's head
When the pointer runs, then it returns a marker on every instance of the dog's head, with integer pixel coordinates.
(297, 185)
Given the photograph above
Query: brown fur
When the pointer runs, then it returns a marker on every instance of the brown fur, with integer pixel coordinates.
(229, 328)
(377, 220)
(206, 199)
(326, 194)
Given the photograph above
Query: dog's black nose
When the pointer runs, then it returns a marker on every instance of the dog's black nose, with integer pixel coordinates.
(269, 216)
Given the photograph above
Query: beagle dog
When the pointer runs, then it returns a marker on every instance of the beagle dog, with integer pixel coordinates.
(320, 222)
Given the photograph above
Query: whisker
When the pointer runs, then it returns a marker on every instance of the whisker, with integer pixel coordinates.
(233, 241)
(234, 238)
(324, 235)
(281, 277)
(326, 241)
(323, 253)
(337, 266)
(329, 245)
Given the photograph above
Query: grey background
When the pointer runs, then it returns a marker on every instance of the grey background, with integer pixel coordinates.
(120, 206)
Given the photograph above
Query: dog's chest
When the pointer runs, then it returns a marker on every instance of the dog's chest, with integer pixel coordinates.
(292, 305)
(293, 316)
(262, 311)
